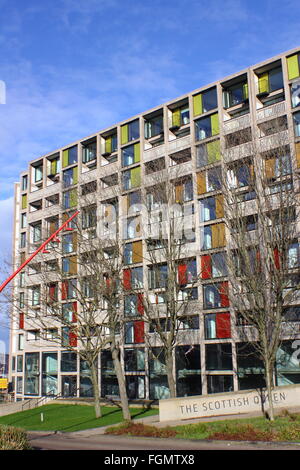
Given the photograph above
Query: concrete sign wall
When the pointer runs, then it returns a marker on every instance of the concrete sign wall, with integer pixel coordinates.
(220, 404)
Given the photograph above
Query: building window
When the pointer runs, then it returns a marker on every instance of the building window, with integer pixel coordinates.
(69, 156)
(132, 178)
(209, 153)
(70, 176)
(36, 231)
(235, 94)
(218, 356)
(131, 154)
(213, 265)
(38, 173)
(32, 372)
(205, 101)
(133, 278)
(158, 276)
(49, 373)
(20, 342)
(215, 295)
(110, 144)
(154, 126)
(69, 265)
(183, 191)
(70, 199)
(89, 152)
(207, 127)
(133, 252)
(211, 208)
(270, 81)
(19, 363)
(295, 94)
(130, 131)
(24, 185)
(134, 359)
(188, 370)
(23, 240)
(180, 117)
(36, 295)
(217, 325)
(133, 305)
(134, 332)
(219, 383)
(212, 236)
(158, 381)
(296, 118)
(19, 388)
(24, 220)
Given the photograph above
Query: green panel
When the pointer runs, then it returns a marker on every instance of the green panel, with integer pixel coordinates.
(293, 66)
(65, 158)
(124, 134)
(53, 167)
(214, 121)
(75, 175)
(263, 83)
(108, 145)
(73, 198)
(213, 151)
(24, 201)
(245, 91)
(135, 176)
(137, 153)
(176, 117)
(197, 102)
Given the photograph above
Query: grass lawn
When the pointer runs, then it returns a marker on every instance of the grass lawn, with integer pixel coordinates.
(284, 428)
(68, 417)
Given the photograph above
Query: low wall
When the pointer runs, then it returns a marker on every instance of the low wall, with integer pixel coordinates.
(229, 403)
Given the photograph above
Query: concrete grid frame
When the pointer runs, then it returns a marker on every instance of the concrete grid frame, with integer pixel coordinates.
(171, 138)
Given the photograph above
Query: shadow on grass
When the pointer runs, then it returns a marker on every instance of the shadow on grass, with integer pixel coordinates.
(89, 421)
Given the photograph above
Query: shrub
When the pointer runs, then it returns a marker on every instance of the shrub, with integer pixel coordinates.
(243, 433)
(138, 429)
(13, 439)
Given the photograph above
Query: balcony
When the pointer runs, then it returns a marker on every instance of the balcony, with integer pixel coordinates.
(272, 111)
(236, 124)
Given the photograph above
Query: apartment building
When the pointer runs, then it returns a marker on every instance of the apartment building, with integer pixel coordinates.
(188, 138)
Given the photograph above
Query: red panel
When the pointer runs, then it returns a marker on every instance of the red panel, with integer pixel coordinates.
(182, 274)
(127, 278)
(74, 312)
(140, 304)
(64, 290)
(205, 267)
(72, 339)
(21, 321)
(139, 333)
(52, 292)
(276, 258)
(224, 294)
(223, 325)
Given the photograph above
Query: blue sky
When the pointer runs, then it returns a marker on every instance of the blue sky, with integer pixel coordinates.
(73, 67)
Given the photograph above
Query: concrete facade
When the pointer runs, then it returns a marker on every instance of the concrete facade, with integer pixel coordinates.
(43, 195)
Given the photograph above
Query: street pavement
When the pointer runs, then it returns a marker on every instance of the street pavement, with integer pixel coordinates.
(96, 439)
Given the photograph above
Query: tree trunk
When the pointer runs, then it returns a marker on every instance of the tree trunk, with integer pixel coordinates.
(269, 384)
(122, 384)
(96, 391)
(170, 375)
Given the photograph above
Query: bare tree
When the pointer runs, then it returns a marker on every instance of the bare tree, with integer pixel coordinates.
(76, 291)
(261, 206)
(172, 273)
